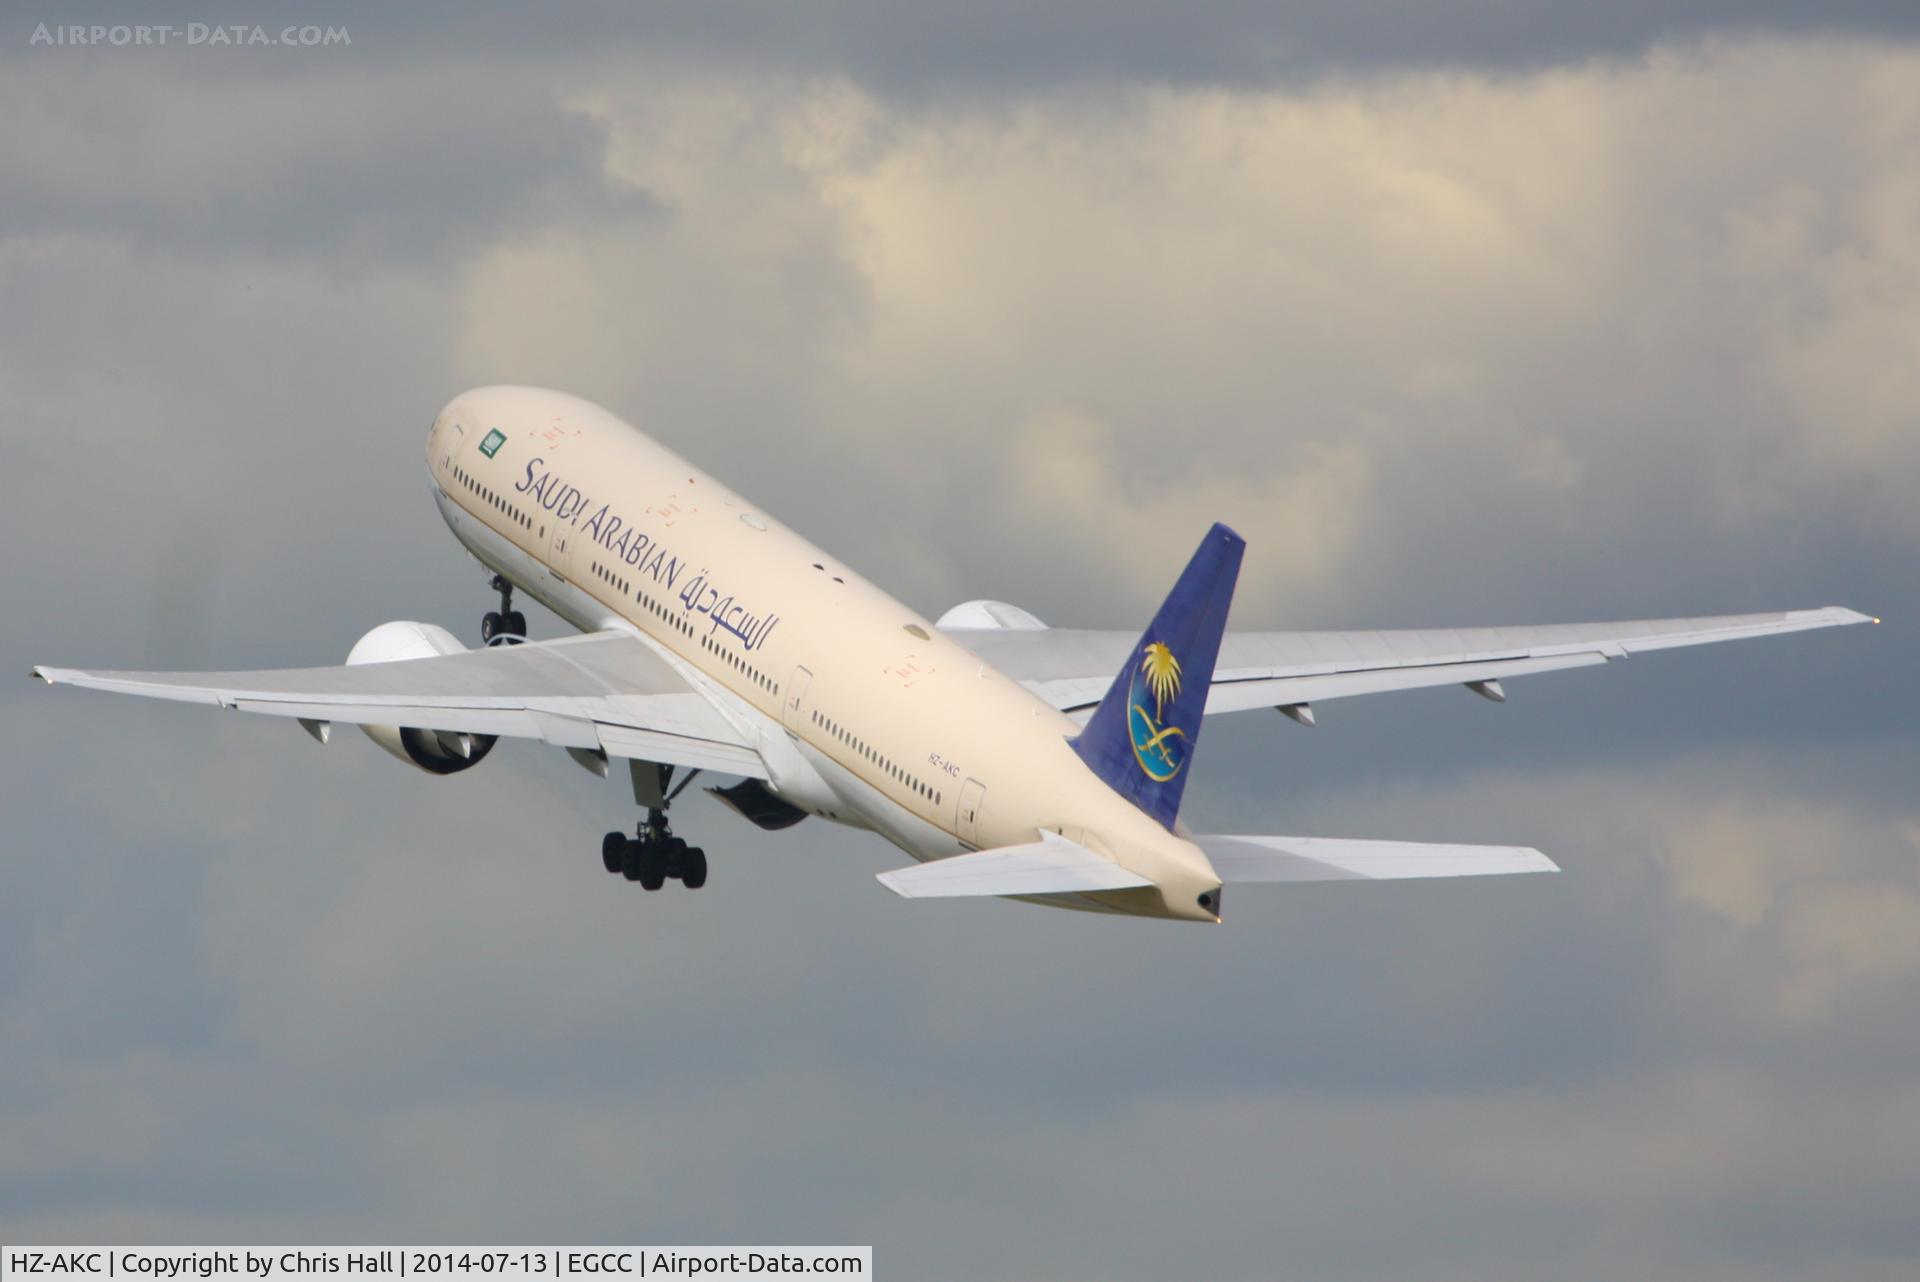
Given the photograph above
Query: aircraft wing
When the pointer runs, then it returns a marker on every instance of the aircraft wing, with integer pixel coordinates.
(606, 692)
(1071, 668)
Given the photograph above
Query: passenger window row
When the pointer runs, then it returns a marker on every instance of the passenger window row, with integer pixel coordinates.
(739, 664)
(677, 622)
(487, 496)
(903, 777)
(611, 579)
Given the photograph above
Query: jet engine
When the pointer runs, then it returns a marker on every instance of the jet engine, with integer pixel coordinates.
(439, 752)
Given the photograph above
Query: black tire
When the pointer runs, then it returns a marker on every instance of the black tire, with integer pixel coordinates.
(673, 856)
(633, 859)
(693, 868)
(613, 851)
(491, 626)
(516, 627)
(653, 872)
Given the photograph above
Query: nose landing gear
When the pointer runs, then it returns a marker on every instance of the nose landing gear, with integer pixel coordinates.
(653, 853)
(505, 626)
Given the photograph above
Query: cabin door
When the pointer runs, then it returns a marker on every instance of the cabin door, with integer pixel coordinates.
(967, 820)
(560, 549)
(793, 709)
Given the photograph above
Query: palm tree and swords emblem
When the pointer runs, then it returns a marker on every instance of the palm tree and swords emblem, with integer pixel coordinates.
(1159, 748)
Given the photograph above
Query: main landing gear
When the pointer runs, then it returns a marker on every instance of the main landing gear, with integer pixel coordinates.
(505, 626)
(653, 853)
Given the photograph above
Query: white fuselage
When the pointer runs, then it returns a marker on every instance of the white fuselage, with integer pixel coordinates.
(865, 713)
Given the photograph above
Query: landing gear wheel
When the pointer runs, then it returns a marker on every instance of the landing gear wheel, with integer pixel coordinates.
(491, 627)
(613, 851)
(640, 861)
(652, 874)
(516, 627)
(693, 868)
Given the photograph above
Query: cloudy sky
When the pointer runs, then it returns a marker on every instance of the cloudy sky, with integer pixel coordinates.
(1463, 312)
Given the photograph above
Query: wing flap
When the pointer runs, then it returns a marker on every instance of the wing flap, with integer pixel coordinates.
(639, 744)
(1256, 859)
(1051, 866)
(1239, 693)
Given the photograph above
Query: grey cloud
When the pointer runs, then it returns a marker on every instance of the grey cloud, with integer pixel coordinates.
(318, 162)
(909, 50)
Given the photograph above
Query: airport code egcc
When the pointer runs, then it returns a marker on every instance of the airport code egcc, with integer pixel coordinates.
(548, 1264)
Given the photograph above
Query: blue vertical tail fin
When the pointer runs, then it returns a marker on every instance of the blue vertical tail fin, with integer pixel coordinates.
(1140, 740)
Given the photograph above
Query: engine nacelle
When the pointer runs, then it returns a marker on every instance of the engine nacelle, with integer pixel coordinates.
(995, 616)
(438, 752)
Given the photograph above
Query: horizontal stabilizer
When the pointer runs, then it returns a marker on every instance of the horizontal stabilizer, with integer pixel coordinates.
(1051, 866)
(1244, 859)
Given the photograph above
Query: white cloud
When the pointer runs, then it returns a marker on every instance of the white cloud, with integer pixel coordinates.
(1616, 306)
(1073, 483)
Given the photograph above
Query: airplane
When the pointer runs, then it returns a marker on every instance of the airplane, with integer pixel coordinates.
(1008, 758)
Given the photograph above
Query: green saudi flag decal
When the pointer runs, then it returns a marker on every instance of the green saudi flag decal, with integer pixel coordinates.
(495, 439)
